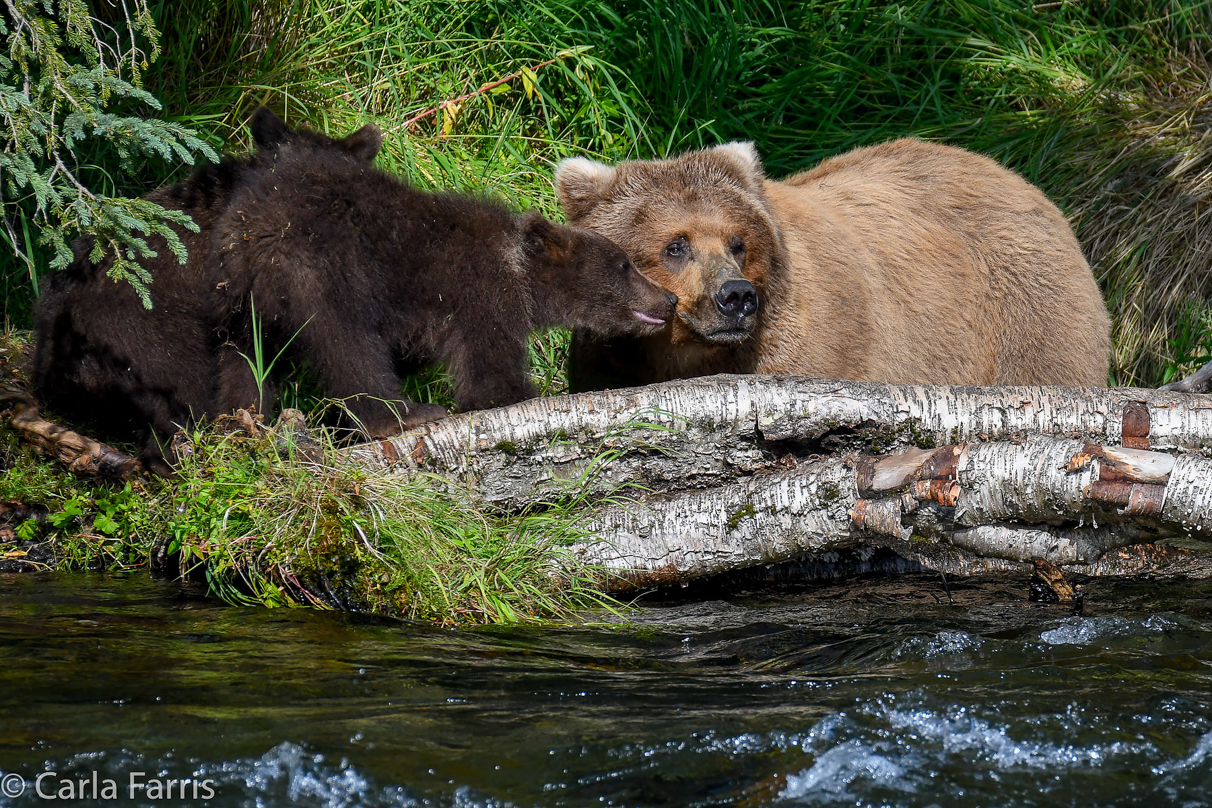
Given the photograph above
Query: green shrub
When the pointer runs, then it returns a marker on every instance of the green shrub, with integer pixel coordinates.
(74, 114)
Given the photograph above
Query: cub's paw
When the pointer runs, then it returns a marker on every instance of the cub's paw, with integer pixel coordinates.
(158, 465)
(405, 415)
(418, 414)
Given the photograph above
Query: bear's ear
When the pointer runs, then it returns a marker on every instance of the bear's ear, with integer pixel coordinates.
(743, 159)
(582, 183)
(547, 240)
(365, 143)
(267, 128)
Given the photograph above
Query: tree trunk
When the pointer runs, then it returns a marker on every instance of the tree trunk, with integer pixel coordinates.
(716, 474)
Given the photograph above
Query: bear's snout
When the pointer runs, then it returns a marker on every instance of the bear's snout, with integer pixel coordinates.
(736, 299)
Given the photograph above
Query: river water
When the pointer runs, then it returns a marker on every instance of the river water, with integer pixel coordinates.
(870, 691)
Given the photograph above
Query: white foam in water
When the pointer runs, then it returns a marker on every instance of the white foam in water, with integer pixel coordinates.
(963, 733)
(306, 780)
(952, 642)
(888, 757)
(842, 765)
(1198, 756)
(945, 643)
(1085, 630)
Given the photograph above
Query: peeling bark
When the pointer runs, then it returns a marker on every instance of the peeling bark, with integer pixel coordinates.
(733, 471)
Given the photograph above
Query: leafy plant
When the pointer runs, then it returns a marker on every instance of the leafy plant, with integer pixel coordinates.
(70, 88)
(1191, 346)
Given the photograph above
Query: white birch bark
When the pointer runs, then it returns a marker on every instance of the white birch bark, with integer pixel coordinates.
(761, 519)
(697, 433)
(746, 470)
(1014, 501)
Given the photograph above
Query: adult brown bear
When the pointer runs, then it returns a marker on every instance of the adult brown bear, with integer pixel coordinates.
(903, 262)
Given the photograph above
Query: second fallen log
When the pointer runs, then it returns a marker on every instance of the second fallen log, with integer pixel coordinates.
(1054, 498)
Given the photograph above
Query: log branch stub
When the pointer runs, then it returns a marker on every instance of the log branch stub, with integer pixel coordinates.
(1145, 500)
(1135, 499)
(81, 455)
(945, 492)
(941, 464)
(883, 516)
(1134, 465)
(879, 475)
(1134, 431)
(1197, 382)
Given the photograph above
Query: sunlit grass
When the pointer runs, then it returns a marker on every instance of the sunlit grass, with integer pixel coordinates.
(258, 525)
(1105, 106)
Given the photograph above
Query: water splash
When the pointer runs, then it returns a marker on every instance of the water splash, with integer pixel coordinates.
(884, 748)
(1086, 630)
(943, 644)
(836, 769)
(960, 732)
(1199, 756)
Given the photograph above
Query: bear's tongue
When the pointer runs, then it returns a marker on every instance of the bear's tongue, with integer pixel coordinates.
(648, 318)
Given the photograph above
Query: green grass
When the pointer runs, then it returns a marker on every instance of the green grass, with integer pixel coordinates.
(1104, 104)
(261, 527)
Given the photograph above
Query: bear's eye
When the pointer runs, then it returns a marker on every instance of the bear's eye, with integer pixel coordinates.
(676, 248)
(737, 246)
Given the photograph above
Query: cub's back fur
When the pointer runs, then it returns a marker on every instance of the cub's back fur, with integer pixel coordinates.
(903, 262)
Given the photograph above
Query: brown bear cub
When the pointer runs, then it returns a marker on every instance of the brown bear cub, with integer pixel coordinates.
(903, 262)
(102, 358)
(348, 269)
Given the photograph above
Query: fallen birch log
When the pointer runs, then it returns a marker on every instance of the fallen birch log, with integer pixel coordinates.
(733, 471)
(698, 432)
(1063, 500)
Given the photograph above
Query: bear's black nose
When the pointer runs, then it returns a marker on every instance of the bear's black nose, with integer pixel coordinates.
(736, 299)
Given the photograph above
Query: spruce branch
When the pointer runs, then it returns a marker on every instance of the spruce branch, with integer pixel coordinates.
(69, 81)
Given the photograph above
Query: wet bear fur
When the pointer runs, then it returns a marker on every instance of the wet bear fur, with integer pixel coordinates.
(350, 270)
(904, 262)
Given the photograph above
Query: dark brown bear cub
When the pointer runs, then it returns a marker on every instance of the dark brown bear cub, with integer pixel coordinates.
(103, 359)
(348, 269)
(372, 275)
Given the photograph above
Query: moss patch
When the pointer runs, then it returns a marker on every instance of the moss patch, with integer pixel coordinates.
(735, 518)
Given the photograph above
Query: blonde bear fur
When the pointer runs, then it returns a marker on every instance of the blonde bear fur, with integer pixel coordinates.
(902, 262)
